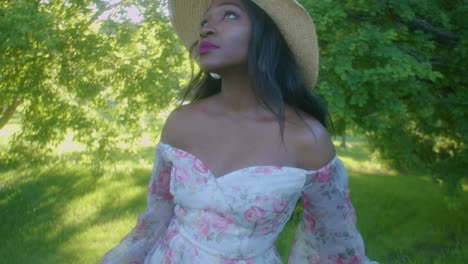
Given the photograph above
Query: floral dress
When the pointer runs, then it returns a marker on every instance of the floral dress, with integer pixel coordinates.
(194, 217)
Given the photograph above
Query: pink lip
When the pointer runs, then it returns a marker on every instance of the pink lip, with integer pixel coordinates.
(206, 46)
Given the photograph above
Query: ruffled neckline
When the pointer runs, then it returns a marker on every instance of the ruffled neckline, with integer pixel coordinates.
(192, 156)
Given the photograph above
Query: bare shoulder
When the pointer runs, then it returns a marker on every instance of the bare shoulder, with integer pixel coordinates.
(182, 122)
(312, 144)
(174, 124)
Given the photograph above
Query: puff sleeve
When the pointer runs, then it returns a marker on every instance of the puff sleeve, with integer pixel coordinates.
(327, 232)
(153, 222)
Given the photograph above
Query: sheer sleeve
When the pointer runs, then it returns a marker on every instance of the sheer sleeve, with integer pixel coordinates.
(153, 222)
(327, 232)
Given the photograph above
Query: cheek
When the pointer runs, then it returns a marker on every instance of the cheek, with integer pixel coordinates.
(239, 43)
(244, 39)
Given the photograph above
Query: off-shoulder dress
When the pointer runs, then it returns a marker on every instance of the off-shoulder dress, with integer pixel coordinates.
(196, 217)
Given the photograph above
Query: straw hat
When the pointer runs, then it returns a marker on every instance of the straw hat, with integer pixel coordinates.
(291, 18)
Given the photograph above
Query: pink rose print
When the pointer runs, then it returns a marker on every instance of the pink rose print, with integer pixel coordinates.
(315, 260)
(153, 189)
(339, 261)
(355, 260)
(208, 209)
(266, 170)
(323, 175)
(236, 260)
(168, 256)
(254, 214)
(201, 180)
(180, 211)
(169, 235)
(221, 223)
(164, 181)
(279, 206)
(309, 222)
(181, 175)
(267, 227)
(348, 200)
(203, 226)
(307, 202)
(261, 198)
(167, 195)
(200, 166)
(164, 178)
(180, 153)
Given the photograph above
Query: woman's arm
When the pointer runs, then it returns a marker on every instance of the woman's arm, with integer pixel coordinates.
(152, 223)
(327, 232)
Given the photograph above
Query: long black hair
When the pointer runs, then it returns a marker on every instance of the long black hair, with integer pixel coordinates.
(278, 76)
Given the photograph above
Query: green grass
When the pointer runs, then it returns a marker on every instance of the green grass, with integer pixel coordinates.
(65, 213)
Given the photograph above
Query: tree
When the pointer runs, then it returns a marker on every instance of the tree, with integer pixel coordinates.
(397, 70)
(67, 70)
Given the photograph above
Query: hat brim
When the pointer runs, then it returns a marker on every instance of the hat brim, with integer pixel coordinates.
(293, 21)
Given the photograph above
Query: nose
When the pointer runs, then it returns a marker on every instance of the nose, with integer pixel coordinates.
(206, 31)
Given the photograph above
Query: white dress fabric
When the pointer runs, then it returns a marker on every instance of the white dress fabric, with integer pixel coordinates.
(194, 217)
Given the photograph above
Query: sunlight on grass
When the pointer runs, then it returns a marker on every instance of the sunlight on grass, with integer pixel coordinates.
(357, 157)
(8, 131)
(68, 145)
(66, 213)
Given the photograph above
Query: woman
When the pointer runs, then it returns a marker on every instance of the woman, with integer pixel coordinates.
(232, 164)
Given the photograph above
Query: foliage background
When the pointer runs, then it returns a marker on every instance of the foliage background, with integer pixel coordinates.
(67, 71)
(392, 70)
(396, 71)
(83, 87)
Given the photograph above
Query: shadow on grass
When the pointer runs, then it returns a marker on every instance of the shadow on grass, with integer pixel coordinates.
(40, 214)
(33, 206)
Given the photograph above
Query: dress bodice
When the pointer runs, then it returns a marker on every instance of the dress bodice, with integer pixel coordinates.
(239, 214)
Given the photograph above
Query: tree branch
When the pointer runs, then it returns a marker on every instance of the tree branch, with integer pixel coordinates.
(99, 12)
(432, 29)
(442, 37)
(412, 53)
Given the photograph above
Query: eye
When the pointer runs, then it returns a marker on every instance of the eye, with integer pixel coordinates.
(204, 22)
(230, 15)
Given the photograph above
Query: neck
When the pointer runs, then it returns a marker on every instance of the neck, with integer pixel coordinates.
(237, 95)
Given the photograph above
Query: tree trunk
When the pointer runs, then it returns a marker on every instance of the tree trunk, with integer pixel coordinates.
(343, 141)
(8, 113)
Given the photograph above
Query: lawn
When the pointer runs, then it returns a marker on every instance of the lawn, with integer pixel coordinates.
(64, 212)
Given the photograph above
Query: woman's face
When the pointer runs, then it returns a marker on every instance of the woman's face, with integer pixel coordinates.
(224, 36)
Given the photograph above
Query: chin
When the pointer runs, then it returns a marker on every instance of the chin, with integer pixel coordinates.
(220, 67)
(208, 67)
(211, 65)
(221, 63)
